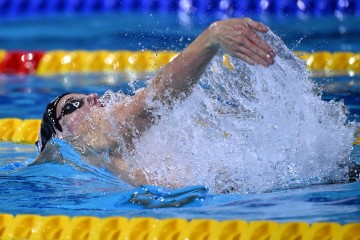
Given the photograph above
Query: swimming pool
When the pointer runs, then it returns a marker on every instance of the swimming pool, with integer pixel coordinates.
(53, 189)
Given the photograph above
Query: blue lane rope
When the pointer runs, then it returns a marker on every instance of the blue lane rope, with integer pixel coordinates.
(19, 8)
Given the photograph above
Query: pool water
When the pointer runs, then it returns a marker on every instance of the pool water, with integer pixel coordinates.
(76, 188)
(54, 189)
(167, 31)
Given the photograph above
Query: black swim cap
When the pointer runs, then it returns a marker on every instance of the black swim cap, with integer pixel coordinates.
(49, 123)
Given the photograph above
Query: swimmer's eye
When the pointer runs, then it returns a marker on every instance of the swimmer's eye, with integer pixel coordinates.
(71, 106)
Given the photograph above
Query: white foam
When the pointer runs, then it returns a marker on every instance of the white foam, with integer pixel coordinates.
(255, 129)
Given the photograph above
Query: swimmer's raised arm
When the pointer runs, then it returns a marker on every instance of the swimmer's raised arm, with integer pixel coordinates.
(237, 37)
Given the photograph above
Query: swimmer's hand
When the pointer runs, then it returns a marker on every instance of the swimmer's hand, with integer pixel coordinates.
(239, 39)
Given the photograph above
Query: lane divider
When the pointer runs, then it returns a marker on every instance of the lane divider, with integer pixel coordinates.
(62, 62)
(19, 131)
(36, 227)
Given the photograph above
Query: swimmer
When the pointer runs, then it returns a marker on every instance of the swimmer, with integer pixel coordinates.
(84, 116)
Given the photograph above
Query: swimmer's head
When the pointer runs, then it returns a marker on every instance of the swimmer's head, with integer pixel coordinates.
(62, 107)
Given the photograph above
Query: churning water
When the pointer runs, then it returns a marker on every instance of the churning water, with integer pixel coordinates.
(249, 129)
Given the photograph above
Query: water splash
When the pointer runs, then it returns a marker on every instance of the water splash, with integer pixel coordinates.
(253, 129)
(111, 97)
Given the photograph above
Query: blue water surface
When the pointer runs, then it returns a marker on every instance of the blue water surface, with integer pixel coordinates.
(75, 190)
(167, 31)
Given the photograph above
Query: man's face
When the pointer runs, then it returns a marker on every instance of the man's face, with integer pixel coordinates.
(73, 110)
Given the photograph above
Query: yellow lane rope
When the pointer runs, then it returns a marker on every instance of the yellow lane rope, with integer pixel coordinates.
(102, 61)
(19, 131)
(86, 227)
(62, 62)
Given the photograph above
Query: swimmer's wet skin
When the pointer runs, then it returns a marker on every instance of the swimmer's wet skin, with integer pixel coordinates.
(237, 37)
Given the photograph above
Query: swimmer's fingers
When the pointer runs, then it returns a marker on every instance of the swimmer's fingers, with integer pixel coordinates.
(249, 56)
(254, 51)
(256, 44)
(243, 57)
(238, 38)
(256, 25)
(241, 47)
(258, 41)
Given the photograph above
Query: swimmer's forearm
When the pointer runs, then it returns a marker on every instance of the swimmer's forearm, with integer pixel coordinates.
(180, 75)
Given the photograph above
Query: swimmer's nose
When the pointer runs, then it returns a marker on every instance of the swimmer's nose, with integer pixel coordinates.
(92, 99)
